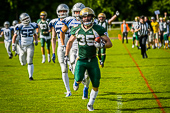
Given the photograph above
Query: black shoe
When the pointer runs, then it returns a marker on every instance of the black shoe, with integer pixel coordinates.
(30, 78)
(16, 54)
(146, 56)
(10, 56)
(143, 56)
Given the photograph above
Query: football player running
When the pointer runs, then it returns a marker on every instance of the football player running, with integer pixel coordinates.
(69, 22)
(45, 36)
(56, 24)
(102, 21)
(7, 31)
(27, 31)
(85, 34)
(14, 23)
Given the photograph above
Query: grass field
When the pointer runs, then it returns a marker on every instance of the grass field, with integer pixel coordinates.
(129, 84)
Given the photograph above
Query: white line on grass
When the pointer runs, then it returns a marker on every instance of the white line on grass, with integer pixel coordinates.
(119, 103)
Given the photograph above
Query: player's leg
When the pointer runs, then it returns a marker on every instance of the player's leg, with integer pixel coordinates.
(48, 43)
(22, 56)
(79, 73)
(42, 40)
(133, 41)
(85, 82)
(30, 54)
(99, 54)
(73, 56)
(103, 57)
(94, 74)
(64, 70)
(8, 44)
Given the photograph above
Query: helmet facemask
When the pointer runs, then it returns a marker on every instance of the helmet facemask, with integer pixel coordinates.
(101, 19)
(6, 24)
(25, 18)
(87, 21)
(62, 13)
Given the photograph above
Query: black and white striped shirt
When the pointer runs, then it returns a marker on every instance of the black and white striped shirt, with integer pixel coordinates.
(143, 29)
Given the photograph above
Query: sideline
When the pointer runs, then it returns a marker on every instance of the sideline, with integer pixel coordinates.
(156, 98)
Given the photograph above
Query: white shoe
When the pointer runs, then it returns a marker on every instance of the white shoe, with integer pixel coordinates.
(49, 59)
(133, 46)
(75, 86)
(68, 94)
(43, 60)
(90, 107)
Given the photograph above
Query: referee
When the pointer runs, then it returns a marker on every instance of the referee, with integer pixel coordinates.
(143, 35)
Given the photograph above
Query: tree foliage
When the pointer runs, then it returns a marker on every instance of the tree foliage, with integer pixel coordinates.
(11, 9)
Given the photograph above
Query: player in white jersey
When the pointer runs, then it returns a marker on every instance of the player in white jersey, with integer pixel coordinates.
(7, 31)
(14, 23)
(69, 22)
(27, 31)
(56, 24)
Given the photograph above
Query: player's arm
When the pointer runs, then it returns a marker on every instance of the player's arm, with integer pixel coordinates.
(14, 38)
(53, 41)
(1, 34)
(69, 44)
(62, 34)
(37, 29)
(108, 43)
(113, 17)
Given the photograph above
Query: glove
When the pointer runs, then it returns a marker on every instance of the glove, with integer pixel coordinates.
(13, 47)
(99, 45)
(53, 57)
(63, 48)
(0, 35)
(117, 13)
(36, 43)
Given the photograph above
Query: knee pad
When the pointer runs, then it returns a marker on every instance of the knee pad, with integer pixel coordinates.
(64, 69)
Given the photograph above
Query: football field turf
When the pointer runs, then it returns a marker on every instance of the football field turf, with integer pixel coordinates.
(129, 84)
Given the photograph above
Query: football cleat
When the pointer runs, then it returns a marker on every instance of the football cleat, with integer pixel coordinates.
(75, 86)
(10, 56)
(68, 94)
(101, 64)
(30, 78)
(133, 46)
(90, 107)
(43, 60)
(85, 93)
(53, 57)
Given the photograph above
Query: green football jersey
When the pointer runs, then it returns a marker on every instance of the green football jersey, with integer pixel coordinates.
(44, 27)
(103, 24)
(85, 38)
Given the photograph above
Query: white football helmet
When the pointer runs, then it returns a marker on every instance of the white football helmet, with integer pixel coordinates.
(14, 22)
(62, 7)
(25, 18)
(77, 7)
(6, 24)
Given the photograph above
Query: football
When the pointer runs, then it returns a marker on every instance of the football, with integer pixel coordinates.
(97, 39)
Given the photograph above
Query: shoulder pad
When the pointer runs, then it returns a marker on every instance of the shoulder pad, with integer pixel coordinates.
(38, 20)
(35, 25)
(18, 26)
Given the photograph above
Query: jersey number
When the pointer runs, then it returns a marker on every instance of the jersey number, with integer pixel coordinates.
(88, 39)
(27, 33)
(6, 34)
